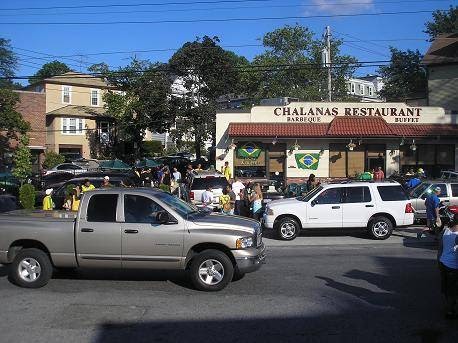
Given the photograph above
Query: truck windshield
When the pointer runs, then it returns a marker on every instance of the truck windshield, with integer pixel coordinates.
(311, 194)
(182, 208)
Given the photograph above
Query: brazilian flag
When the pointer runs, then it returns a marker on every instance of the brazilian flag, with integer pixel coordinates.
(249, 150)
(307, 161)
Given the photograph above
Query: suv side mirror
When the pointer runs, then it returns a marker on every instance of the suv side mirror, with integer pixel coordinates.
(162, 217)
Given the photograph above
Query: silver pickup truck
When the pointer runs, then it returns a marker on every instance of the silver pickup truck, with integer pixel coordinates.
(130, 228)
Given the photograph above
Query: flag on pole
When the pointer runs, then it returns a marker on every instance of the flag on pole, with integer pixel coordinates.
(307, 161)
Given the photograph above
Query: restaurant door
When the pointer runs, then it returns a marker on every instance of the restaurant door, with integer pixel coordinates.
(276, 161)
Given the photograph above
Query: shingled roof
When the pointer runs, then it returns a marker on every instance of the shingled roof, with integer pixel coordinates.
(443, 50)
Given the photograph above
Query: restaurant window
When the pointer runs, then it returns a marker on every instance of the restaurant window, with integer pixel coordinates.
(250, 160)
(433, 158)
(66, 94)
(337, 160)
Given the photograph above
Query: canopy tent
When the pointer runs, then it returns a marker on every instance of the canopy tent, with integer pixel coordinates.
(147, 163)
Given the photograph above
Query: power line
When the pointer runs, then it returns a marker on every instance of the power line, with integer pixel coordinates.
(221, 8)
(217, 20)
(176, 3)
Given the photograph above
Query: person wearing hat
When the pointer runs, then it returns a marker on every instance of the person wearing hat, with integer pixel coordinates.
(421, 172)
(448, 267)
(433, 220)
(48, 203)
(87, 186)
(106, 182)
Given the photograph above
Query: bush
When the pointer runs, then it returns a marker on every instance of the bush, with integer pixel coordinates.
(152, 148)
(27, 196)
(52, 159)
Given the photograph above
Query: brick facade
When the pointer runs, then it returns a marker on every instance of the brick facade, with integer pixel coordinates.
(32, 106)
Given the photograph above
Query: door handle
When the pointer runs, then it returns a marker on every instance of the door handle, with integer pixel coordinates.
(131, 231)
(335, 207)
(87, 230)
(369, 205)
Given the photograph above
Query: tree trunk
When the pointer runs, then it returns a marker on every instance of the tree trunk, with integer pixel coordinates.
(197, 147)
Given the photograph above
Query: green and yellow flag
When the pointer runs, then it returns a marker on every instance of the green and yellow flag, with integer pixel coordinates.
(307, 161)
(249, 150)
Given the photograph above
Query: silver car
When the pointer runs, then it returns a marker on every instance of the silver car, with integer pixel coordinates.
(204, 179)
(448, 195)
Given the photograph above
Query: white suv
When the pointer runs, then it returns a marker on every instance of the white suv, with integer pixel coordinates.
(378, 207)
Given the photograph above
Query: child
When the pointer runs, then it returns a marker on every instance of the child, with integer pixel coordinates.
(48, 203)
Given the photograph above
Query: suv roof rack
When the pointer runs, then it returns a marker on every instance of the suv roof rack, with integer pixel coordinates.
(368, 181)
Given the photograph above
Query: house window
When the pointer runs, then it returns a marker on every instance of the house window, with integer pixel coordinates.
(72, 126)
(370, 91)
(361, 89)
(353, 88)
(66, 94)
(94, 97)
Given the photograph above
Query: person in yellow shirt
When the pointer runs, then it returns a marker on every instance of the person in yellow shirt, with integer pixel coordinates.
(225, 202)
(226, 171)
(76, 196)
(48, 203)
(87, 186)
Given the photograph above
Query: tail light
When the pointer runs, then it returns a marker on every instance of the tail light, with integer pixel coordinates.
(191, 195)
(409, 208)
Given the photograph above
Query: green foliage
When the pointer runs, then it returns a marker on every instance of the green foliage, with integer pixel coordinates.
(49, 69)
(208, 71)
(443, 22)
(152, 148)
(292, 66)
(8, 62)
(27, 196)
(144, 103)
(404, 77)
(11, 120)
(52, 159)
(22, 160)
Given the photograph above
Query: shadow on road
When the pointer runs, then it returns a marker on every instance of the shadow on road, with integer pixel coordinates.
(272, 234)
(3, 270)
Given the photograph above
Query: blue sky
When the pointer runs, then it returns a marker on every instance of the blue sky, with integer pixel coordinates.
(361, 34)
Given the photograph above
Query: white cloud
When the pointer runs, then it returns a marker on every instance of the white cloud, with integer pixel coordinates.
(343, 7)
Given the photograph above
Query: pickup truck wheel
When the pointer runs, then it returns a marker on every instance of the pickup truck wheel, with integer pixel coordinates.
(380, 228)
(31, 268)
(287, 228)
(211, 270)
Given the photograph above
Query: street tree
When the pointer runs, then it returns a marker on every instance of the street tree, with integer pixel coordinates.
(141, 101)
(443, 22)
(22, 160)
(8, 63)
(291, 65)
(49, 69)
(404, 78)
(207, 71)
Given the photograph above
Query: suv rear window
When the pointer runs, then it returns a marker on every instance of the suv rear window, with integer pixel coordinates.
(392, 193)
(213, 182)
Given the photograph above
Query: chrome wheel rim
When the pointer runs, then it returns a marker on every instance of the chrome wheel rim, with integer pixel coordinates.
(287, 230)
(211, 272)
(29, 269)
(380, 229)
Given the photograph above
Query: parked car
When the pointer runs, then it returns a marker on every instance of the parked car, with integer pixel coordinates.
(71, 156)
(205, 164)
(446, 174)
(271, 189)
(9, 184)
(204, 179)
(185, 154)
(8, 203)
(128, 175)
(418, 195)
(67, 167)
(41, 182)
(130, 228)
(376, 207)
(60, 190)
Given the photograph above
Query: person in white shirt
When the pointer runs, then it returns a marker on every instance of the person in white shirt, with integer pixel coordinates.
(237, 187)
(207, 198)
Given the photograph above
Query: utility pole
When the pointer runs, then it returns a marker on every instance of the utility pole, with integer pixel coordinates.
(328, 61)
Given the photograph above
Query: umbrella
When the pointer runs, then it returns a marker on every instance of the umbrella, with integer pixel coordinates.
(147, 163)
(114, 164)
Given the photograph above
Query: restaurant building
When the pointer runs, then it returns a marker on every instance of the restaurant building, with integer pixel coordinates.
(335, 140)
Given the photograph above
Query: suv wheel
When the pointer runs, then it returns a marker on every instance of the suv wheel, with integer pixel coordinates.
(31, 268)
(380, 228)
(211, 270)
(287, 228)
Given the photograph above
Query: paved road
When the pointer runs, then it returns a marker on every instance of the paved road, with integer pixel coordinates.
(329, 289)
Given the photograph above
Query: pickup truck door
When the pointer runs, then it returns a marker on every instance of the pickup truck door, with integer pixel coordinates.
(325, 210)
(98, 233)
(146, 243)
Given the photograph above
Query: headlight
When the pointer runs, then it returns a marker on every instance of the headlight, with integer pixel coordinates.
(243, 243)
(269, 211)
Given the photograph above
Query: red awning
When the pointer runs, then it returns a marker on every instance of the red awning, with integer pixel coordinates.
(342, 127)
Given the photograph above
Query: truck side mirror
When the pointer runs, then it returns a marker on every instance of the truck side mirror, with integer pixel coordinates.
(162, 217)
